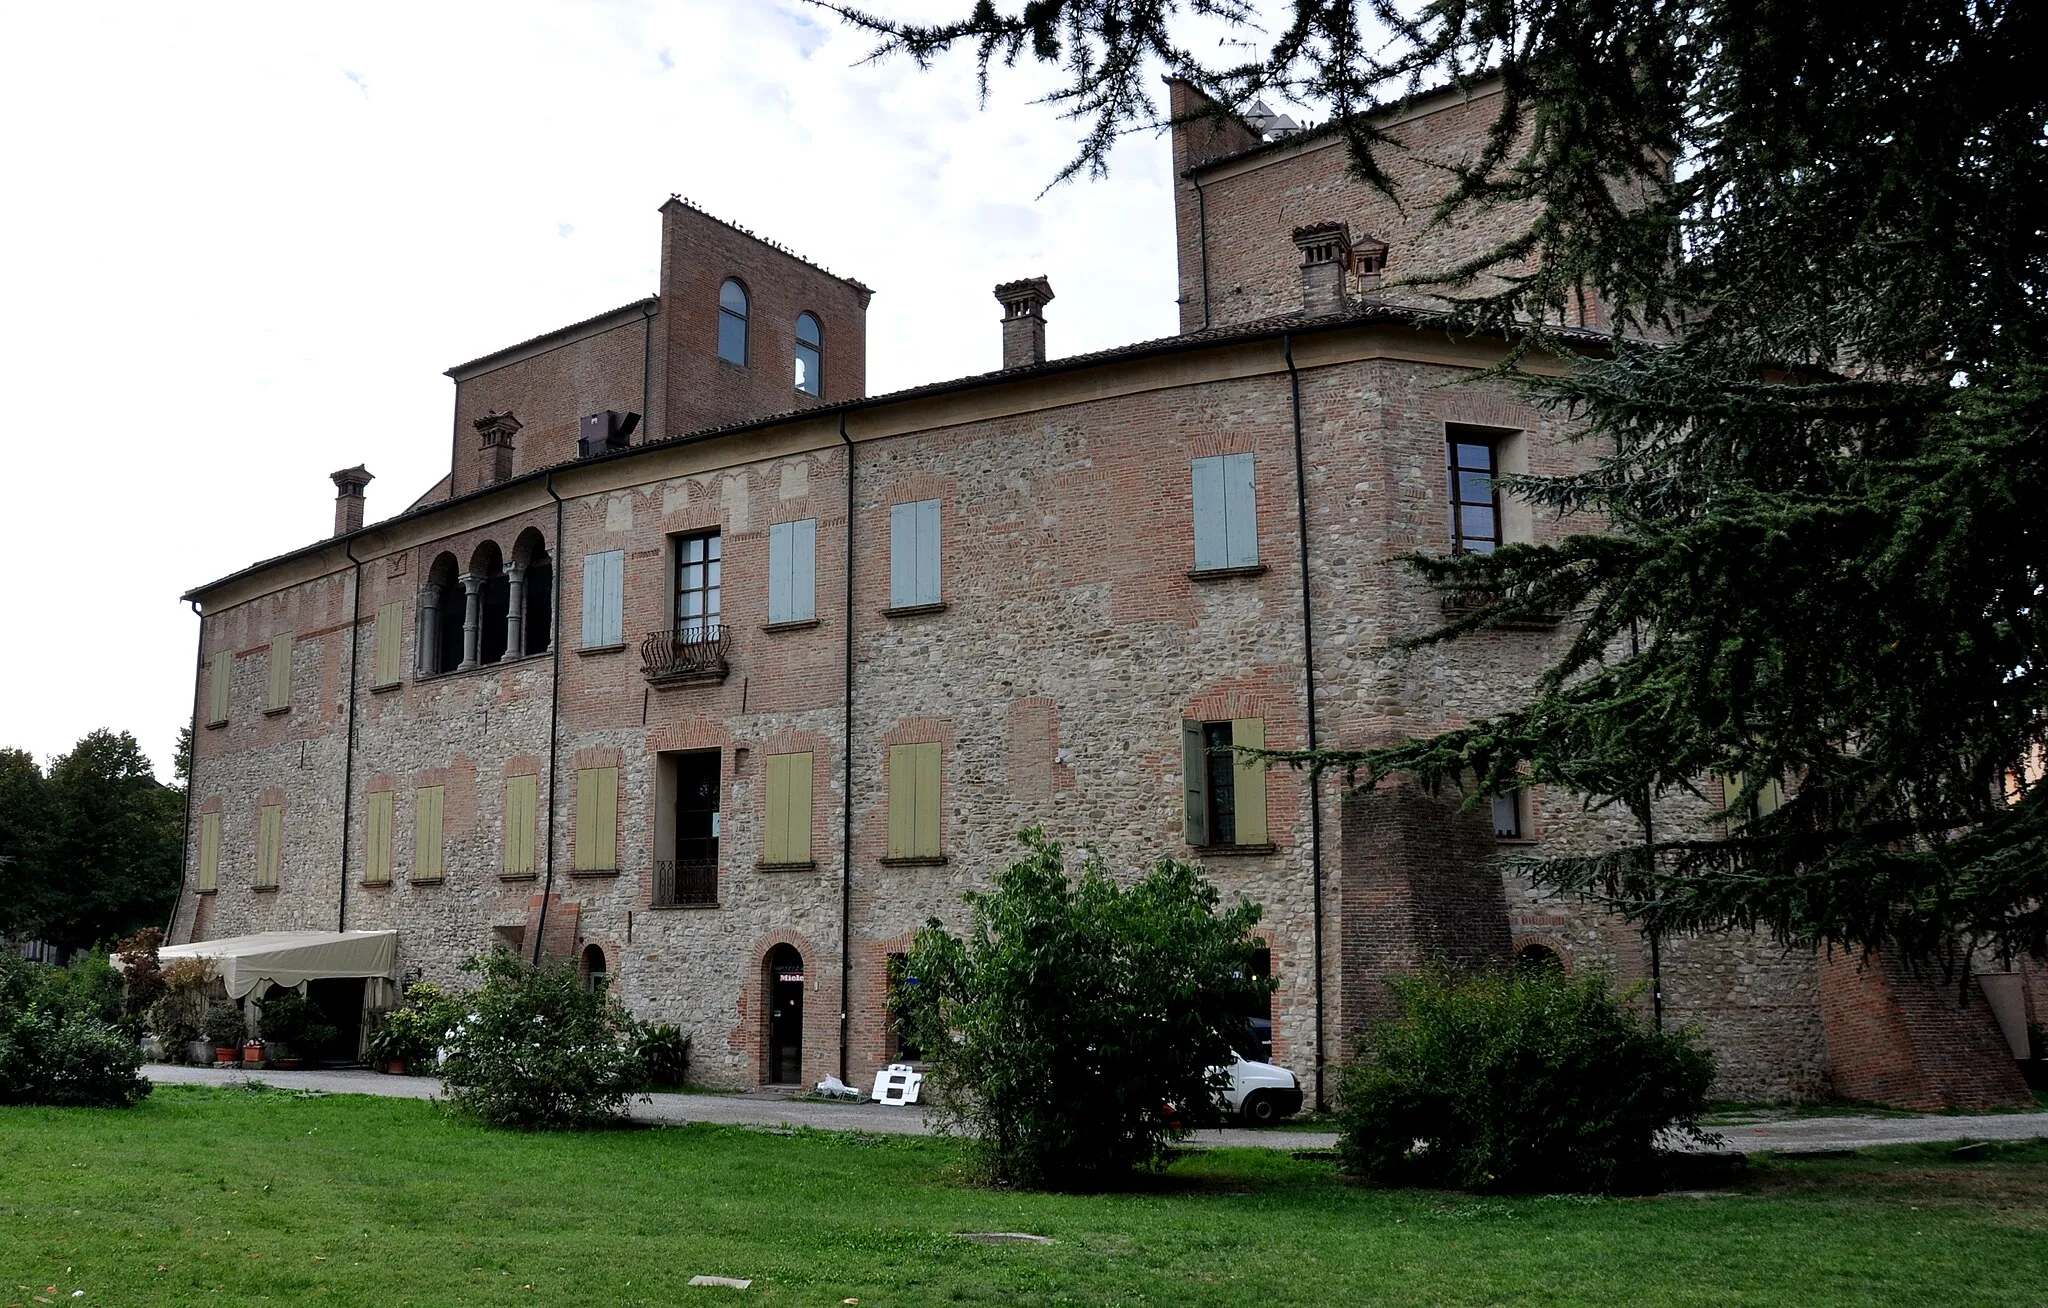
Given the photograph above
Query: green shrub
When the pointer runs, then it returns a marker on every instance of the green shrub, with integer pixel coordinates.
(538, 1049)
(414, 1032)
(1062, 1033)
(1518, 1080)
(662, 1053)
(224, 1024)
(288, 1018)
(141, 972)
(56, 1048)
(178, 1015)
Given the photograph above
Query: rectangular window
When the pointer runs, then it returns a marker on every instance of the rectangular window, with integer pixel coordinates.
(281, 672)
(377, 865)
(269, 846)
(597, 819)
(209, 852)
(522, 802)
(604, 599)
(903, 1042)
(1226, 513)
(390, 645)
(788, 838)
(223, 682)
(699, 565)
(914, 554)
(426, 834)
(1225, 793)
(1511, 814)
(914, 801)
(793, 571)
(1475, 506)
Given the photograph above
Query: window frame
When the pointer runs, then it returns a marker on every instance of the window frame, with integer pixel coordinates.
(917, 816)
(816, 359)
(710, 590)
(604, 599)
(743, 316)
(1224, 512)
(1455, 472)
(793, 572)
(1202, 757)
(911, 523)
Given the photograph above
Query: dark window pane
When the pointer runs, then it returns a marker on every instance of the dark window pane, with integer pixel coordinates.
(1478, 457)
(1216, 739)
(732, 338)
(807, 329)
(1475, 488)
(733, 296)
(1476, 523)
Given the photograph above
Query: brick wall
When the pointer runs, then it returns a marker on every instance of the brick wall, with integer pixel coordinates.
(1897, 1036)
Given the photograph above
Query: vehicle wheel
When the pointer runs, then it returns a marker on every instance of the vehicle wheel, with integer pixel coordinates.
(1259, 1109)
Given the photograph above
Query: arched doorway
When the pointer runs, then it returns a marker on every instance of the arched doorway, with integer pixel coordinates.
(1538, 958)
(785, 987)
(593, 968)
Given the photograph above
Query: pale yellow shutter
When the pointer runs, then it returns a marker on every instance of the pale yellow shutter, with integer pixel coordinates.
(902, 801)
(390, 644)
(426, 834)
(788, 838)
(269, 845)
(586, 818)
(1249, 779)
(522, 796)
(927, 827)
(281, 671)
(607, 817)
(209, 851)
(378, 868)
(223, 684)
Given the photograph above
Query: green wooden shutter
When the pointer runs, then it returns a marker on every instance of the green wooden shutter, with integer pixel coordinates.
(586, 818)
(775, 835)
(928, 824)
(1249, 778)
(209, 851)
(788, 837)
(522, 798)
(1194, 768)
(269, 845)
(223, 685)
(902, 801)
(377, 867)
(281, 671)
(390, 644)
(607, 817)
(427, 834)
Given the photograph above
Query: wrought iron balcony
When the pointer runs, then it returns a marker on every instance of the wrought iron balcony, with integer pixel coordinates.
(685, 885)
(680, 658)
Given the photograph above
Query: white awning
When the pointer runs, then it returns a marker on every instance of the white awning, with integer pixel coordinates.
(288, 958)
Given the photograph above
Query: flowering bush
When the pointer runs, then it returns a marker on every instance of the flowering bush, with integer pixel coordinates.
(414, 1032)
(537, 1050)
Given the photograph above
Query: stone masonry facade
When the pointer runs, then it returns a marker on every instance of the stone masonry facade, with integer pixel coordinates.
(1071, 637)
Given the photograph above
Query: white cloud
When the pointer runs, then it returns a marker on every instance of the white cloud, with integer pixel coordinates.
(245, 239)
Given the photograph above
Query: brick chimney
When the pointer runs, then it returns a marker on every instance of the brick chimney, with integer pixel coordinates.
(348, 498)
(1325, 265)
(497, 429)
(1024, 321)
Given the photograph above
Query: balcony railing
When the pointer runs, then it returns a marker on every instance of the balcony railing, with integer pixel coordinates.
(679, 658)
(685, 885)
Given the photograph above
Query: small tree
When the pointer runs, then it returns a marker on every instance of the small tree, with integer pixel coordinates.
(1074, 1032)
(1518, 1080)
(538, 1050)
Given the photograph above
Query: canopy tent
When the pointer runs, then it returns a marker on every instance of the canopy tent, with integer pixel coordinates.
(292, 958)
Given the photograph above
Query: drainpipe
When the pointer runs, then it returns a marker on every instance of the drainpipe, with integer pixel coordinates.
(348, 765)
(1308, 660)
(191, 768)
(540, 929)
(846, 781)
(1202, 239)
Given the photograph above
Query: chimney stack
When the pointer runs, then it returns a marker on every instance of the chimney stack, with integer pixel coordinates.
(497, 429)
(1325, 268)
(348, 498)
(1024, 321)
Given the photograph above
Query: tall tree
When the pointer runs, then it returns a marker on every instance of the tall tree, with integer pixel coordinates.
(24, 831)
(107, 861)
(1824, 566)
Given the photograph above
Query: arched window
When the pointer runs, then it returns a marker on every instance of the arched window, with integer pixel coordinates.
(593, 967)
(810, 356)
(1538, 958)
(732, 322)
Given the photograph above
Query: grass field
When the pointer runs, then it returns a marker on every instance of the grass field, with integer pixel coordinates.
(225, 1196)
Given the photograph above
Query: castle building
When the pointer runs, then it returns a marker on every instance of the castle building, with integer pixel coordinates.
(711, 672)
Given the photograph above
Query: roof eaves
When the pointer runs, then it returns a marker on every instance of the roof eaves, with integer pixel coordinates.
(623, 312)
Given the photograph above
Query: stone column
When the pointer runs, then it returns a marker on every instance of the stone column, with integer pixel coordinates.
(515, 613)
(429, 639)
(472, 617)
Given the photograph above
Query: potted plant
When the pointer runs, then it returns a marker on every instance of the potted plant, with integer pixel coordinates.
(178, 1015)
(292, 1028)
(171, 1020)
(409, 1037)
(254, 1052)
(224, 1027)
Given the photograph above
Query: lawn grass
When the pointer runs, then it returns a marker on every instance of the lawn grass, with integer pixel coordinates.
(223, 1196)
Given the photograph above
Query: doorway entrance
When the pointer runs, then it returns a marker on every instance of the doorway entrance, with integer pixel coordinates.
(785, 1016)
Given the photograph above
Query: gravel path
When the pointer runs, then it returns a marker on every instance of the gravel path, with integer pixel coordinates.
(1804, 1134)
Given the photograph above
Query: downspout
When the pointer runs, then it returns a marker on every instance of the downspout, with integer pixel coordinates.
(846, 781)
(1308, 661)
(547, 890)
(191, 769)
(1202, 239)
(348, 755)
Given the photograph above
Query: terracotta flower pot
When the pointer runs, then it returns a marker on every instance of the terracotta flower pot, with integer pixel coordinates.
(226, 1054)
(285, 1064)
(392, 1067)
(253, 1054)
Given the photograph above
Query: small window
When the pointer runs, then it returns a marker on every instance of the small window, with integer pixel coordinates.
(427, 833)
(1226, 793)
(280, 672)
(1538, 958)
(390, 645)
(597, 819)
(732, 323)
(1226, 513)
(377, 868)
(787, 841)
(595, 974)
(218, 692)
(269, 846)
(914, 554)
(522, 803)
(1475, 505)
(699, 566)
(914, 826)
(810, 356)
(209, 853)
(903, 1047)
(1511, 820)
(604, 599)
(793, 571)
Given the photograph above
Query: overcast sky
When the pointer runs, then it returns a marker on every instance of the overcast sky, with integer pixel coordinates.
(242, 242)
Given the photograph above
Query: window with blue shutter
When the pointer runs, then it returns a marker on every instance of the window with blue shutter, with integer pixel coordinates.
(914, 554)
(1226, 513)
(793, 571)
(604, 599)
